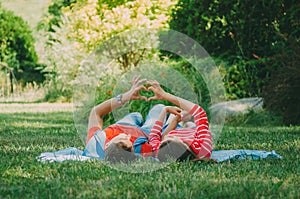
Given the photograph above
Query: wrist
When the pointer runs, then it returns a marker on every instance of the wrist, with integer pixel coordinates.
(119, 99)
(126, 97)
(172, 98)
(122, 98)
(167, 96)
(166, 109)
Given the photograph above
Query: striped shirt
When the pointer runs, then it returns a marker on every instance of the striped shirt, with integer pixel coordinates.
(198, 138)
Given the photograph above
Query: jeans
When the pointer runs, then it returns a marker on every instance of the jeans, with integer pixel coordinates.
(136, 119)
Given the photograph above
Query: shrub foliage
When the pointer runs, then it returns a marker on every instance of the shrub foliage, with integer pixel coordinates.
(17, 49)
(256, 41)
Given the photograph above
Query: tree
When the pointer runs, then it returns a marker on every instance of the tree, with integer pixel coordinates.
(99, 20)
(53, 18)
(257, 40)
(87, 24)
(243, 34)
(281, 94)
(17, 49)
(230, 28)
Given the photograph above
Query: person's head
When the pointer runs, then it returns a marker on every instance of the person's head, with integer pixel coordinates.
(120, 149)
(173, 148)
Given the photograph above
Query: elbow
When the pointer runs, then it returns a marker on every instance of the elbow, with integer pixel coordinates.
(93, 112)
(96, 113)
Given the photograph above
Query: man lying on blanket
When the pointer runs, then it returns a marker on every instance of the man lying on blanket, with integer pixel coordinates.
(120, 141)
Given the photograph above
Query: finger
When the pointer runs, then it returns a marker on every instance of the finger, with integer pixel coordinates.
(176, 111)
(151, 88)
(156, 82)
(179, 118)
(136, 78)
(150, 82)
(179, 109)
(141, 87)
(153, 82)
(152, 98)
(141, 81)
(143, 98)
(133, 79)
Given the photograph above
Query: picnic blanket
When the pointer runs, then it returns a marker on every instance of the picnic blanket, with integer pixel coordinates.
(75, 154)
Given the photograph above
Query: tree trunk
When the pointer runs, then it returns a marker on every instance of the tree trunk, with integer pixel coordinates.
(11, 82)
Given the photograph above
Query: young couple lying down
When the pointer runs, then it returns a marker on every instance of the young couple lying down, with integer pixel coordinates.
(161, 136)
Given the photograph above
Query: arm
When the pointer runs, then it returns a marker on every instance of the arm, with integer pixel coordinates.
(172, 125)
(160, 94)
(99, 111)
(202, 143)
(155, 133)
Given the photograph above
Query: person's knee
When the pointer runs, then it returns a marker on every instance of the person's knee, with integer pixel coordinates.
(136, 115)
(158, 107)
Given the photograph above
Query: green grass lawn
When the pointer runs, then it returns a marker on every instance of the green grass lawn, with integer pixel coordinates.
(23, 136)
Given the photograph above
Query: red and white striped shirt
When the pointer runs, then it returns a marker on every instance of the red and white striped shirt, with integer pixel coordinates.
(198, 138)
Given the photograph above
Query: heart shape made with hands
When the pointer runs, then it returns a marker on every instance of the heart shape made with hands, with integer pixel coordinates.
(147, 93)
(143, 89)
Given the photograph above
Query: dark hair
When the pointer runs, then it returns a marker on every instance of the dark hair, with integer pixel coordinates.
(174, 149)
(119, 152)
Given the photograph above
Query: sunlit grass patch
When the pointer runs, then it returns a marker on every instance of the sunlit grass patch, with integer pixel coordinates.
(22, 176)
(35, 107)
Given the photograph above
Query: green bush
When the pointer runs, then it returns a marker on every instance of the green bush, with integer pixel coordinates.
(243, 78)
(241, 33)
(261, 118)
(17, 48)
(257, 41)
(282, 92)
(195, 79)
(229, 28)
(53, 18)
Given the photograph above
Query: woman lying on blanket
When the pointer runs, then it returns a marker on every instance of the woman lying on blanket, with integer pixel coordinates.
(120, 141)
(182, 143)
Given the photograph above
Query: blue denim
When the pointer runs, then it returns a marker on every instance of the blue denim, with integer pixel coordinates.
(136, 119)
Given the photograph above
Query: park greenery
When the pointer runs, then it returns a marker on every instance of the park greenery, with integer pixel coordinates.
(18, 57)
(254, 45)
(26, 134)
(259, 43)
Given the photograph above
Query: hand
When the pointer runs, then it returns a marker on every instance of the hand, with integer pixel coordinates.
(186, 116)
(178, 118)
(134, 92)
(159, 93)
(174, 110)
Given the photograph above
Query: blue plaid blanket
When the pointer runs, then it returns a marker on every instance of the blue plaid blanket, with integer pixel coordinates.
(217, 155)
